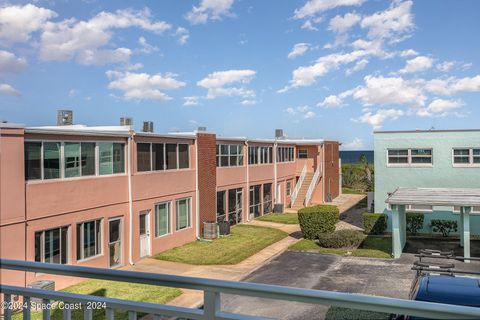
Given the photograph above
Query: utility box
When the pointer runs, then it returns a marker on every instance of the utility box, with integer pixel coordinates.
(278, 208)
(210, 230)
(41, 284)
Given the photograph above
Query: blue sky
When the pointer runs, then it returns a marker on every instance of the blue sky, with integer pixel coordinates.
(316, 68)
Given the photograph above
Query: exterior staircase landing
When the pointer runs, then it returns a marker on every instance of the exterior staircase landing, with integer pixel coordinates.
(302, 193)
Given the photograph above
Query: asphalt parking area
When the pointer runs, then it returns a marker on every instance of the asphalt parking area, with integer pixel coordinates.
(323, 272)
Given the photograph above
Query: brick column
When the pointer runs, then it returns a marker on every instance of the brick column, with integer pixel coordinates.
(207, 177)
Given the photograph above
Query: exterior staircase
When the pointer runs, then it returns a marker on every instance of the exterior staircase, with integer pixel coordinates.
(303, 191)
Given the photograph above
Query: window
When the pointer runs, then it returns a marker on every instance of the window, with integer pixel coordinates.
(260, 155)
(183, 209)
(285, 154)
(51, 246)
(229, 155)
(302, 153)
(421, 156)
(475, 209)
(33, 160)
(89, 239)
(255, 200)
(410, 157)
(221, 204)
(267, 198)
(418, 207)
(289, 188)
(466, 157)
(183, 156)
(162, 219)
(161, 156)
(235, 199)
(55, 160)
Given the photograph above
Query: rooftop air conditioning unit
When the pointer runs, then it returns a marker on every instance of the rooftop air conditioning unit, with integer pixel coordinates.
(64, 117)
(41, 284)
(147, 126)
(279, 133)
(126, 121)
(202, 129)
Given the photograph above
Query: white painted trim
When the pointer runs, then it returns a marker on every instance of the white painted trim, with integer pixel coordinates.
(130, 199)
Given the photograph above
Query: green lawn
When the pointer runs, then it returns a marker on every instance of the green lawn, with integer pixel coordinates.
(286, 218)
(113, 289)
(371, 247)
(352, 191)
(243, 242)
(338, 313)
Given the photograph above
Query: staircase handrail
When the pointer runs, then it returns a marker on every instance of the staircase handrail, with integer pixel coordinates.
(299, 184)
(312, 186)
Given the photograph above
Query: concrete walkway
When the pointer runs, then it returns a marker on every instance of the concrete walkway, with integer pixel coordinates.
(194, 298)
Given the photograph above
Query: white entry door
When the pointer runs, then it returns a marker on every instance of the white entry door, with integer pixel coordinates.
(144, 234)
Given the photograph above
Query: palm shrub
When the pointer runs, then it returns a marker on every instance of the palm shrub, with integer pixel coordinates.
(318, 219)
(444, 226)
(414, 222)
(374, 223)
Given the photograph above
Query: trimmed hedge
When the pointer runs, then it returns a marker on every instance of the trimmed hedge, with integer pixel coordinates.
(414, 222)
(374, 223)
(318, 219)
(341, 239)
(444, 226)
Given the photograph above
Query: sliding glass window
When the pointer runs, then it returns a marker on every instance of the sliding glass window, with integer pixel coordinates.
(183, 216)
(33, 160)
(162, 219)
(51, 160)
(72, 159)
(171, 150)
(51, 245)
(89, 239)
(183, 161)
(158, 156)
(88, 158)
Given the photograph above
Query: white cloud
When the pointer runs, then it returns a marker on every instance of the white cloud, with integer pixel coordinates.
(389, 90)
(450, 86)
(298, 49)
(183, 35)
(17, 22)
(209, 10)
(86, 41)
(314, 7)
(408, 53)
(248, 102)
(146, 47)
(8, 89)
(391, 23)
(72, 93)
(191, 101)
(355, 144)
(143, 86)
(304, 112)
(359, 65)
(9, 63)
(417, 64)
(220, 83)
(331, 101)
(445, 66)
(440, 107)
(341, 24)
(376, 119)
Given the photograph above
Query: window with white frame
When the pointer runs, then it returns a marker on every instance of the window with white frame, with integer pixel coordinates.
(255, 204)
(410, 157)
(89, 239)
(162, 218)
(289, 188)
(285, 154)
(260, 154)
(162, 156)
(229, 155)
(475, 209)
(51, 246)
(466, 157)
(183, 213)
(302, 153)
(55, 160)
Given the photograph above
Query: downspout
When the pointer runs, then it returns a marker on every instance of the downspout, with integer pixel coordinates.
(130, 198)
(247, 192)
(197, 193)
(275, 146)
(323, 172)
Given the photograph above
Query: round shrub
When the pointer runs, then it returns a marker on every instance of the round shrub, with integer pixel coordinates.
(318, 219)
(374, 223)
(414, 222)
(341, 239)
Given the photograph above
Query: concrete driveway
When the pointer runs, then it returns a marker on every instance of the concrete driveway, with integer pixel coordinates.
(323, 272)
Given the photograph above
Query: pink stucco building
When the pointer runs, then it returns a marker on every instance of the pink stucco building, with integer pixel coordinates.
(109, 196)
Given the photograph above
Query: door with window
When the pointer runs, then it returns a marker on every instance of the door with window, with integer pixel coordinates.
(144, 233)
(115, 242)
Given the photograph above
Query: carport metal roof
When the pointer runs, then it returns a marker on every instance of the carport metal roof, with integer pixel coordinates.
(435, 197)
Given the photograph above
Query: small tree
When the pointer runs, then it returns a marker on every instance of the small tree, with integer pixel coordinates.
(414, 222)
(444, 226)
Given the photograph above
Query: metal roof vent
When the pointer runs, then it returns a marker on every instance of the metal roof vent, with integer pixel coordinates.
(64, 117)
(147, 126)
(279, 133)
(126, 121)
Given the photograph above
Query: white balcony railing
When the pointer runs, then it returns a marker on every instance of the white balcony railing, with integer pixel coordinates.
(298, 185)
(212, 290)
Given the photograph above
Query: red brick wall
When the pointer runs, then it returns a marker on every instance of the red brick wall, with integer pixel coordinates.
(332, 171)
(207, 177)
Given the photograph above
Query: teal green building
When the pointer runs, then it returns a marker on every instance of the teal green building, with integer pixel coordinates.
(427, 159)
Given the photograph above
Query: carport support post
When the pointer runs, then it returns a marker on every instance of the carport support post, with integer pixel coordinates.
(465, 212)
(398, 229)
(460, 231)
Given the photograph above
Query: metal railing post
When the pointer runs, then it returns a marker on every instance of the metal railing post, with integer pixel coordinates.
(132, 315)
(109, 315)
(46, 309)
(26, 308)
(211, 304)
(66, 314)
(7, 298)
(87, 314)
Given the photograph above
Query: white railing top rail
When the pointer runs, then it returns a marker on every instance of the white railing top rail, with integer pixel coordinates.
(312, 186)
(298, 185)
(212, 289)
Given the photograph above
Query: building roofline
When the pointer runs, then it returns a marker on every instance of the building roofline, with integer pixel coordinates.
(426, 131)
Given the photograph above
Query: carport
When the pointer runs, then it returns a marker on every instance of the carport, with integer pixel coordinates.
(445, 197)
